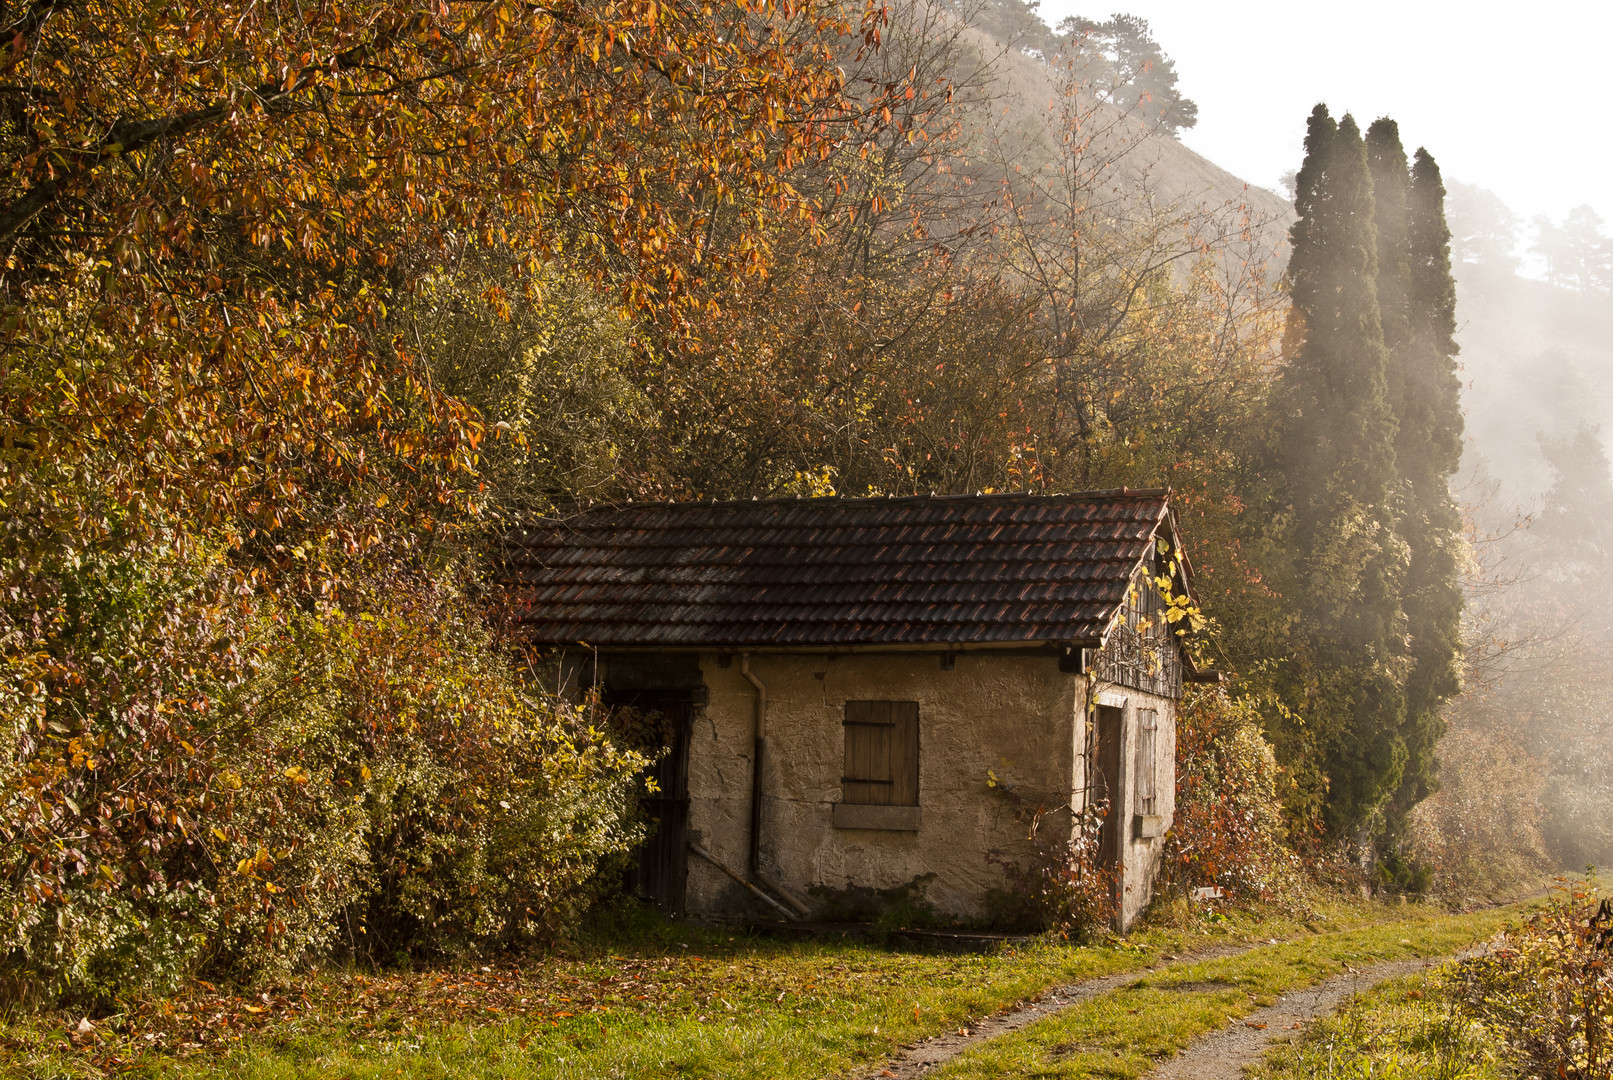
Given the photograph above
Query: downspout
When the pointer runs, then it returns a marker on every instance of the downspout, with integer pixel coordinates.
(756, 764)
(757, 757)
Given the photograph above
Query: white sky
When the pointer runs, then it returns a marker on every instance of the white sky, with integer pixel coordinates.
(1513, 99)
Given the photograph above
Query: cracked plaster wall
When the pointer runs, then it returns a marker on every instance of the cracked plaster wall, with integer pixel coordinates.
(1014, 714)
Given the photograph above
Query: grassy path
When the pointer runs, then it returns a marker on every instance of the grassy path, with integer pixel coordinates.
(707, 1006)
(1404, 1027)
(918, 1059)
(1223, 1054)
(1133, 1030)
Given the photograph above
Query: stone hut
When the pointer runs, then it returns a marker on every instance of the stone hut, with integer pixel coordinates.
(867, 698)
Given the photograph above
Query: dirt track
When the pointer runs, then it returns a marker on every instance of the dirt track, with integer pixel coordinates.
(919, 1058)
(1218, 1056)
(1223, 1054)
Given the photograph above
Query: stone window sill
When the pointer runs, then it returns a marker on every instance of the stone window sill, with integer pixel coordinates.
(1148, 826)
(889, 818)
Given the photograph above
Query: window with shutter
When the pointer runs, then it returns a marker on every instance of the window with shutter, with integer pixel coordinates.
(882, 753)
(1147, 725)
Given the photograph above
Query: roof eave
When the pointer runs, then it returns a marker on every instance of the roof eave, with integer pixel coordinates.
(1039, 645)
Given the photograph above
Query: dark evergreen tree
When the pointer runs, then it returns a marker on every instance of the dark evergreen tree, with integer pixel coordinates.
(1386, 160)
(1428, 450)
(1334, 473)
(1417, 305)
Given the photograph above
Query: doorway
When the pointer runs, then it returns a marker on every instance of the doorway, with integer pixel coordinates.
(1108, 782)
(661, 865)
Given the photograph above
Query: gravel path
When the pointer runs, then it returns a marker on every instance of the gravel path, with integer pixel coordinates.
(1222, 1055)
(919, 1058)
(1217, 1056)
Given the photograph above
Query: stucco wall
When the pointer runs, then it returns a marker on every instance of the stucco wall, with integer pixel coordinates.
(1016, 715)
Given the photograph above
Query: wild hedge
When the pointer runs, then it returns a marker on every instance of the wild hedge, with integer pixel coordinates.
(201, 777)
(1228, 832)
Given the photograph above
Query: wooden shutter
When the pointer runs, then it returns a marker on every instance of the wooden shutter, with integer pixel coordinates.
(882, 753)
(1147, 724)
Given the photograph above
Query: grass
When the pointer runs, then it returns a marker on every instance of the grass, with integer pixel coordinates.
(683, 1002)
(1401, 1029)
(1128, 1032)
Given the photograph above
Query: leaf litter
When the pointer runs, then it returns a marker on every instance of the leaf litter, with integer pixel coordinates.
(391, 1009)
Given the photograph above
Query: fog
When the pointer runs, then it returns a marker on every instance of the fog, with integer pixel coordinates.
(1527, 766)
(1505, 96)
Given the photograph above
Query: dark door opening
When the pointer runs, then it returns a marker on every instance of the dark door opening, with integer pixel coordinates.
(662, 865)
(1107, 782)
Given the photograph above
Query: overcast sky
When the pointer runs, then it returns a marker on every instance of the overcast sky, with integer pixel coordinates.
(1514, 100)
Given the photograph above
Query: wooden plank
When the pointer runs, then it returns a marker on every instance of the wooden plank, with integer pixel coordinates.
(883, 747)
(1146, 764)
(881, 759)
(858, 733)
(905, 754)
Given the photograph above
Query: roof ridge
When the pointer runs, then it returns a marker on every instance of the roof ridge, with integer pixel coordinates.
(881, 500)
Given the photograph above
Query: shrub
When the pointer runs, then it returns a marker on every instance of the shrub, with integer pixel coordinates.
(1548, 989)
(208, 778)
(403, 789)
(1228, 828)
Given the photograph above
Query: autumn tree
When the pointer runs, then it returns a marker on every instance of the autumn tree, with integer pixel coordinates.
(222, 445)
(1151, 309)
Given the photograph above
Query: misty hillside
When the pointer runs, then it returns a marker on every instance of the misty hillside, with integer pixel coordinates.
(1537, 358)
(1020, 93)
(1176, 173)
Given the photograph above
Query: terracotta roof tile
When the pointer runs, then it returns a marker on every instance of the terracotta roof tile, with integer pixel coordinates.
(938, 570)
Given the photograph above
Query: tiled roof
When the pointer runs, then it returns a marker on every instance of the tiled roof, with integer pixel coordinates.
(800, 573)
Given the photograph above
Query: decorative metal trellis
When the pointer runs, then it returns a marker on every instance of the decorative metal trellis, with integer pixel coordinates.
(1141, 651)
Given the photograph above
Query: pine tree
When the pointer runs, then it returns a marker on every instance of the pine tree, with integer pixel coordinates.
(1334, 469)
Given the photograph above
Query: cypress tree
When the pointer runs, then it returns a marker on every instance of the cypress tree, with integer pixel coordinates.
(1334, 469)
(1428, 450)
(1386, 160)
(1417, 304)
